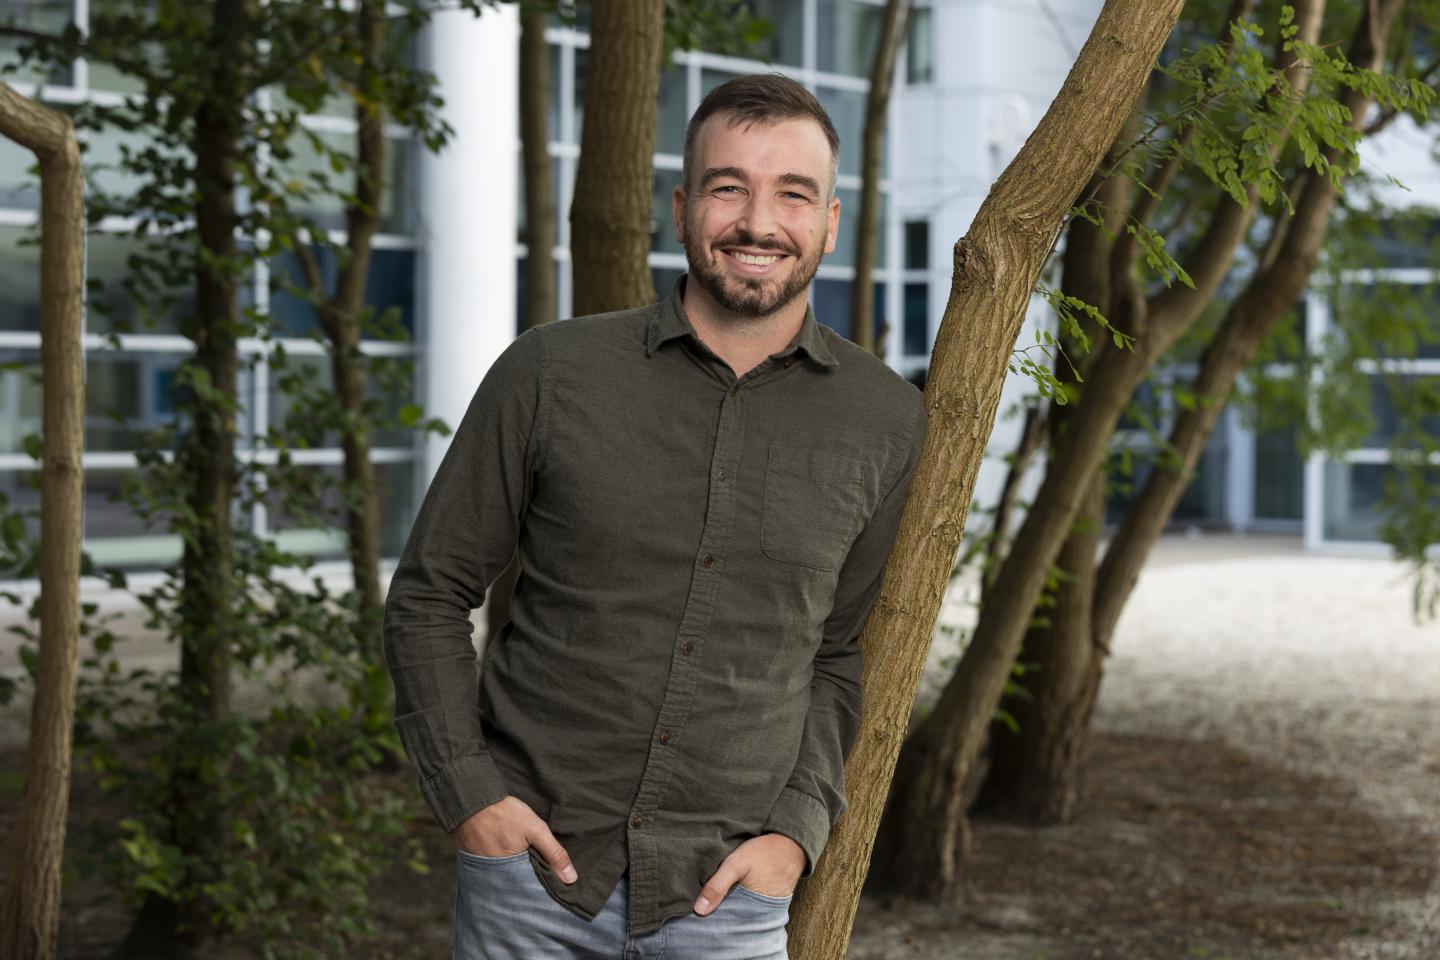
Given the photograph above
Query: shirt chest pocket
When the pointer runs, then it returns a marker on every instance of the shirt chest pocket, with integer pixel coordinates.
(814, 506)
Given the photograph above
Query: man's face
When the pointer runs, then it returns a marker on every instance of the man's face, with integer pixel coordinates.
(758, 214)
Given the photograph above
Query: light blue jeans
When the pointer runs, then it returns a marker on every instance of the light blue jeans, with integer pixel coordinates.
(502, 912)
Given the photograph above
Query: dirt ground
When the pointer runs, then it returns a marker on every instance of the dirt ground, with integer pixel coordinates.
(1264, 784)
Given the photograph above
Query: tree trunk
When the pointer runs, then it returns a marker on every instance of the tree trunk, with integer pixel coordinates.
(165, 927)
(996, 266)
(362, 222)
(867, 228)
(30, 904)
(955, 731)
(610, 217)
(540, 299)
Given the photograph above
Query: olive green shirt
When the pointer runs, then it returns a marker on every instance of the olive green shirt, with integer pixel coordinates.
(681, 670)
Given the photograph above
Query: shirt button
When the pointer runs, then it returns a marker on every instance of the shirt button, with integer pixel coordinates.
(638, 822)
(786, 363)
(687, 648)
(722, 473)
(709, 561)
(664, 738)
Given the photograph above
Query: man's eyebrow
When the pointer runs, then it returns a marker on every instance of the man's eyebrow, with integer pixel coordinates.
(800, 180)
(720, 173)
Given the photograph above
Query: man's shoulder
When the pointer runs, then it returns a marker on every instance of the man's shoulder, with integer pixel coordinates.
(871, 381)
(625, 328)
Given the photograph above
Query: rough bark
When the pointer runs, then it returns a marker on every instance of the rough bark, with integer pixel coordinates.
(165, 927)
(996, 266)
(30, 904)
(540, 299)
(942, 750)
(610, 216)
(867, 227)
(1270, 293)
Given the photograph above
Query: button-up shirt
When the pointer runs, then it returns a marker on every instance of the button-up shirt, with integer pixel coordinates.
(698, 554)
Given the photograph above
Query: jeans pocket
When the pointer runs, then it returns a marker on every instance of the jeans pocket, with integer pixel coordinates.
(475, 858)
(764, 898)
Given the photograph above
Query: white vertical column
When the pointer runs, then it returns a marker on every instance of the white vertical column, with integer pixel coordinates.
(467, 211)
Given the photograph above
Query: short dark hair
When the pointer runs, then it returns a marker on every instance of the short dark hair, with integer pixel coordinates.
(761, 97)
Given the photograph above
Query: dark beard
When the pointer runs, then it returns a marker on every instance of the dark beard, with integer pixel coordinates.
(751, 299)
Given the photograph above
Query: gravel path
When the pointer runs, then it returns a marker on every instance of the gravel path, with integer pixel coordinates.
(1308, 664)
(1311, 662)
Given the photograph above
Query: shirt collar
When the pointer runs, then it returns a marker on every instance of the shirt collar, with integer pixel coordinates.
(668, 321)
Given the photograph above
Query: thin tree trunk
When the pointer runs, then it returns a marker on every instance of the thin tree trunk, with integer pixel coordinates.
(30, 904)
(867, 228)
(996, 266)
(1031, 435)
(340, 318)
(164, 927)
(540, 299)
(610, 216)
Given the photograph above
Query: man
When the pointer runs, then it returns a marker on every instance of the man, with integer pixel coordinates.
(703, 493)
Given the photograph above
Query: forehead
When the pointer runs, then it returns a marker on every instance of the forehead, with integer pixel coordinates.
(794, 145)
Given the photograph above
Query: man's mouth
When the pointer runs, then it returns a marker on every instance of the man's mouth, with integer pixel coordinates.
(754, 259)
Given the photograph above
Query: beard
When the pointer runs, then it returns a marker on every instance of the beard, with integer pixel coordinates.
(748, 296)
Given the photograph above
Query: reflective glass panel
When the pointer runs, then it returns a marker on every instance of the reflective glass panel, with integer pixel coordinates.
(845, 34)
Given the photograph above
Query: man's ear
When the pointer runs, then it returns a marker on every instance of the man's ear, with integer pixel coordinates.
(677, 212)
(832, 224)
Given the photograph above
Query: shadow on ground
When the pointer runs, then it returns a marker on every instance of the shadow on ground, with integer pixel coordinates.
(1183, 850)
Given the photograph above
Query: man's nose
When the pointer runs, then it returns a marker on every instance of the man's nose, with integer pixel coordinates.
(758, 217)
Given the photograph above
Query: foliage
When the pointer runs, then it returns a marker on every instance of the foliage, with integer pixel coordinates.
(303, 824)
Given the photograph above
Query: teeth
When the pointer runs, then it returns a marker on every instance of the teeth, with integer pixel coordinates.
(758, 261)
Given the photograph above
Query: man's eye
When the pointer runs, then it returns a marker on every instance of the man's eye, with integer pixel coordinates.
(727, 190)
(800, 197)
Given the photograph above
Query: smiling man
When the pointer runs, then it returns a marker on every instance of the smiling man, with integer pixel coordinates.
(703, 493)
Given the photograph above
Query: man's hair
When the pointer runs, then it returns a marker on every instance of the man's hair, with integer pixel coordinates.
(761, 98)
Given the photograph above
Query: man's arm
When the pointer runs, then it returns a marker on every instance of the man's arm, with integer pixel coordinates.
(814, 797)
(463, 537)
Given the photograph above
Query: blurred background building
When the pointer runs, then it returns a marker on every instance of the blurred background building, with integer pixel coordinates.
(974, 79)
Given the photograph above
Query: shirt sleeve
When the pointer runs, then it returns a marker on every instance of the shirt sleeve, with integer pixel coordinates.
(814, 797)
(463, 538)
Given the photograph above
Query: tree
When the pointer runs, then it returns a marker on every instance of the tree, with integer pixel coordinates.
(997, 264)
(610, 215)
(232, 816)
(877, 109)
(30, 905)
(540, 302)
(1311, 95)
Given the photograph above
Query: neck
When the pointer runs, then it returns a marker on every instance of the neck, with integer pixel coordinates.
(742, 340)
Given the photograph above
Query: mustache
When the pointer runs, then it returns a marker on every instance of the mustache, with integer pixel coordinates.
(744, 238)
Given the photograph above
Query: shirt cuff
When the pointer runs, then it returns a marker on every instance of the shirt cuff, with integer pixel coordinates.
(461, 787)
(803, 819)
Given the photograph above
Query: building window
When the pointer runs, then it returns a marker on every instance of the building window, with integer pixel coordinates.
(920, 48)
